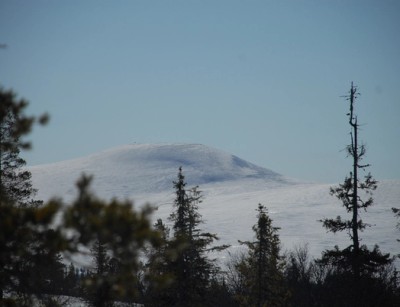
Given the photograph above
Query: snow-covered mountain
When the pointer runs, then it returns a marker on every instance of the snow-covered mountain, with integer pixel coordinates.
(137, 169)
(232, 189)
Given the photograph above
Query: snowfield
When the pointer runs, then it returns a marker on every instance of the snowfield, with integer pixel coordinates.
(232, 189)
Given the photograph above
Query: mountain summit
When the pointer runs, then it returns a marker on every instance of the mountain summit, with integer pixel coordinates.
(147, 168)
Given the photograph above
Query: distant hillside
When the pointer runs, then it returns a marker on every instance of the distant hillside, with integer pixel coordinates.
(232, 188)
(137, 169)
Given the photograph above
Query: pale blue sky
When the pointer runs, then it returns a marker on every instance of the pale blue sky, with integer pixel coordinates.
(259, 79)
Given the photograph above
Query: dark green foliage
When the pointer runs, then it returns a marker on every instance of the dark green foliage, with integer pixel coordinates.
(338, 288)
(48, 273)
(355, 257)
(28, 247)
(71, 281)
(355, 270)
(100, 257)
(302, 277)
(183, 262)
(314, 284)
(123, 233)
(16, 182)
(261, 271)
(370, 261)
(14, 124)
(158, 277)
(219, 294)
(178, 271)
(96, 291)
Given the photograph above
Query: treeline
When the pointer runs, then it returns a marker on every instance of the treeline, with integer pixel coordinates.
(169, 263)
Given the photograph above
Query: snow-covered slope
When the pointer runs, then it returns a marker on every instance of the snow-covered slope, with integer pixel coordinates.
(232, 188)
(137, 169)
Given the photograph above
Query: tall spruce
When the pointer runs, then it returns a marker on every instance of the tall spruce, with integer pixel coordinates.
(262, 269)
(355, 195)
(191, 269)
(356, 266)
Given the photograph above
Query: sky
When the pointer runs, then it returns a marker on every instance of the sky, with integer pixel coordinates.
(263, 80)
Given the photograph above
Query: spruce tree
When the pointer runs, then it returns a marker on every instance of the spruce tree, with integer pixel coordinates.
(27, 244)
(352, 194)
(100, 258)
(262, 268)
(355, 194)
(191, 269)
(158, 276)
(71, 281)
(15, 182)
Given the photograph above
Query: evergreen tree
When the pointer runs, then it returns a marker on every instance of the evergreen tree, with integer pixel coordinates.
(122, 232)
(158, 277)
(47, 275)
(190, 268)
(30, 244)
(100, 257)
(355, 195)
(303, 278)
(262, 269)
(396, 212)
(98, 295)
(71, 281)
(15, 183)
(27, 245)
(26, 242)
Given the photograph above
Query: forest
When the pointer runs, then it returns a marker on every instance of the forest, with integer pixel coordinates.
(135, 262)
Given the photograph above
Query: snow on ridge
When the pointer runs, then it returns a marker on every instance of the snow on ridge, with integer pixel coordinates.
(144, 168)
(232, 190)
